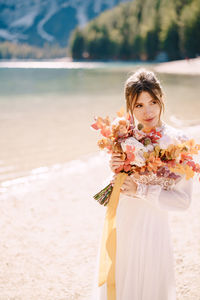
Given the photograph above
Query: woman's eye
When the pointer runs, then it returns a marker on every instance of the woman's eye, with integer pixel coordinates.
(154, 102)
(138, 105)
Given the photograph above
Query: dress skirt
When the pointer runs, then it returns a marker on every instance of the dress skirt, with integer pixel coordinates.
(144, 254)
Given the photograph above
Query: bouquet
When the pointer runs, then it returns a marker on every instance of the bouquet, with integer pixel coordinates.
(143, 155)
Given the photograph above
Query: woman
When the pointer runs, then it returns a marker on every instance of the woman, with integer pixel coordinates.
(144, 256)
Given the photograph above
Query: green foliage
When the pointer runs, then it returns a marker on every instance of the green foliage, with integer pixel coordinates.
(172, 42)
(10, 50)
(141, 30)
(152, 44)
(190, 29)
(99, 43)
(138, 46)
(77, 44)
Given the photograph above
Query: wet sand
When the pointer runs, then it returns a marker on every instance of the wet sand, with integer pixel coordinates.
(185, 66)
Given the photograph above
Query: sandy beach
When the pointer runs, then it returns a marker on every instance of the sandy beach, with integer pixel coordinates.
(50, 228)
(187, 66)
(50, 232)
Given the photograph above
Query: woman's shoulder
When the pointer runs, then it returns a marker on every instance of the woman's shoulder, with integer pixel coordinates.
(175, 133)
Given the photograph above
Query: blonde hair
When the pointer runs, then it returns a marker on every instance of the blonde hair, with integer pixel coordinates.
(143, 80)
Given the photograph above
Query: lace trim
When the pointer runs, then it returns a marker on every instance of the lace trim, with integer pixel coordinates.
(141, 190)
(152, 179)
(173, 132)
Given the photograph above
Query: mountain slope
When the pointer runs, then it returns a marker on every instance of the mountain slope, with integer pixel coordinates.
(47, 21)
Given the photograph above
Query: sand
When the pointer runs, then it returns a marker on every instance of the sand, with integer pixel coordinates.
(50, 231)
(186, 66)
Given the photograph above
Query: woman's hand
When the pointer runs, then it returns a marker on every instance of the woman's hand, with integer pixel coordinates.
(115, 161)
(129, 187)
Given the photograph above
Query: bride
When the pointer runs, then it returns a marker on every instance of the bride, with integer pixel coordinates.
(144, 254)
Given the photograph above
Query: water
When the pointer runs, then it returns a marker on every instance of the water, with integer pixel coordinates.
(46, 109)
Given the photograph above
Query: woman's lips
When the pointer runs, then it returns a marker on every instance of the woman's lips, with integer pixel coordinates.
(148, 120)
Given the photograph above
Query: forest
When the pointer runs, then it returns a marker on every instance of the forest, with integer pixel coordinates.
(148, 30)
(9, 50)
(141, 30)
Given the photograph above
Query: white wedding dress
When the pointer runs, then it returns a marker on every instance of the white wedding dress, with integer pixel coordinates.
(144, 255)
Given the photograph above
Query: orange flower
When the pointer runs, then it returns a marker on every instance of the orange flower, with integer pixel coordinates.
(101, 123)
(153, 162)
(103, 143)
(146, 130)
(120, 168)
(105, 131)
(190, 143)
(120, 113)
(188, 172)
(185, 156)
(184, 170)
(127, 168)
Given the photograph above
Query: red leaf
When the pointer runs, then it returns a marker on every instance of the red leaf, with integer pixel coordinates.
(127, 168)
(119, 169)
(95, 126)
(105, 132)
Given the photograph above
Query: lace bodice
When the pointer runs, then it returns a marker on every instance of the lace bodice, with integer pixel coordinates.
(170, 135)
(169, 194)
(153, 179)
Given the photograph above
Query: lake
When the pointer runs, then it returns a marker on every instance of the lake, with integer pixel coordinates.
(46, 109)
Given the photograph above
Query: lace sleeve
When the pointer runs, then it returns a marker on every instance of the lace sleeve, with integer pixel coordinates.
(165, 194)
(162, 193)
(177, 199)
(182, 137)
(179, 196)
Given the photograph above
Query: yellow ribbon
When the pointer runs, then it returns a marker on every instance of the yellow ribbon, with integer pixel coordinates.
(109, 240)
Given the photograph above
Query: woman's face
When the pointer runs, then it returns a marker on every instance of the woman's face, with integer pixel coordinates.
(147, 110)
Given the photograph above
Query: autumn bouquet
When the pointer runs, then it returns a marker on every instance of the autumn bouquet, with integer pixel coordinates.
(142, 153)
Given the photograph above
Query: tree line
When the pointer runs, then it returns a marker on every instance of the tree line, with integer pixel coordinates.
(10, 50)
(141, 30)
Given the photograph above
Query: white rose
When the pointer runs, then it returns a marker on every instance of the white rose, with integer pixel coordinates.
(139, 150)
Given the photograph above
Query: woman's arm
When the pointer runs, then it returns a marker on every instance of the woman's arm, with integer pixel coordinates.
(178, 198)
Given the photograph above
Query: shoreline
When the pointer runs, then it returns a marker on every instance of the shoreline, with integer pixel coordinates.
(190, 66)
(185, 66)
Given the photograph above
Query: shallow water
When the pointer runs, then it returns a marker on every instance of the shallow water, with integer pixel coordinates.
(46, 110)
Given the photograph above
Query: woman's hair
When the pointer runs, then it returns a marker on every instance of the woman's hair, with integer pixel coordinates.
(142, 80)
